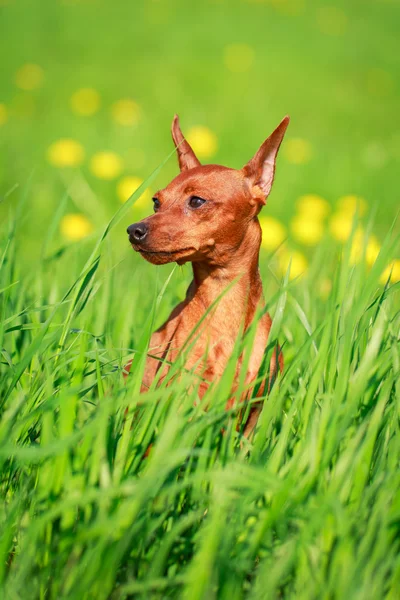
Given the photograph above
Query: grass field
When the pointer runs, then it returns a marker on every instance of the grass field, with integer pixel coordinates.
(308, 508)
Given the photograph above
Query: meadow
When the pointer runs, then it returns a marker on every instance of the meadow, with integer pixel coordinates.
(309, 507)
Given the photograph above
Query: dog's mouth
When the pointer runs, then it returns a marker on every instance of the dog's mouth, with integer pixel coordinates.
(170, 252)
(164, 256)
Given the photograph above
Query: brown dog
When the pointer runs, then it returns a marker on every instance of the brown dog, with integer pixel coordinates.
(208, 216)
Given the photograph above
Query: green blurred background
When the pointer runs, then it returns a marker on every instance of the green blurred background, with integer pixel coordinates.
(83, 77)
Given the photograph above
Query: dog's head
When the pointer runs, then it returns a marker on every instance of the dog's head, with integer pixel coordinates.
(204, 213)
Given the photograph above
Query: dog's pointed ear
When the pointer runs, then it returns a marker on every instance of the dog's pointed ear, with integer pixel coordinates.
(186, 157)
(260, 170)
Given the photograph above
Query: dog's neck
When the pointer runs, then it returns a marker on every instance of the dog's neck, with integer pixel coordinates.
(237, 269)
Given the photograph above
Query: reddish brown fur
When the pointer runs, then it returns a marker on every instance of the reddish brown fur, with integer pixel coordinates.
(221, 239)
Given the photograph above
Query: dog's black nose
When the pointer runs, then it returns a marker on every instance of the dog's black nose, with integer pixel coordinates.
(137, 232)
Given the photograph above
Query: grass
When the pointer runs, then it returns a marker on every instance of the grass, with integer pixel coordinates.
(309, 508)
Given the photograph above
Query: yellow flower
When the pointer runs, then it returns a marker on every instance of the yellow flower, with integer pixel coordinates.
(379, 82)
(106, 165)
(360, 245)
(203, 141)
(273, 233)
(372, 250)
(314, 206)
(298, 151)
(238, 57)
(394, 270)
(288, 7)
(332, 20)
(340, 226)
(357, 246)
(306, 230)
(66, 153)
(351, 204)
(29, 77)
(125, 112)
(3, 114)
(75, 227)
(325, 288)
(85, 102)
(298, 264)
(125, 188)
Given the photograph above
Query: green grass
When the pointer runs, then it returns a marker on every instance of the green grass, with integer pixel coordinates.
(309, 508)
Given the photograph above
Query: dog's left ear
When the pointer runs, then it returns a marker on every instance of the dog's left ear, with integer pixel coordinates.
(186, 157)
(260, 170)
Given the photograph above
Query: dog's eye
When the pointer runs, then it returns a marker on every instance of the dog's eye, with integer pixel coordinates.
(156, 204)
(196, 202)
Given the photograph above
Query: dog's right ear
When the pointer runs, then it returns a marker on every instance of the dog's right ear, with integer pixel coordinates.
(186, 157)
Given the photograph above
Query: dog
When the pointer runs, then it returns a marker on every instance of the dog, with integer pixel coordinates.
(207, 215)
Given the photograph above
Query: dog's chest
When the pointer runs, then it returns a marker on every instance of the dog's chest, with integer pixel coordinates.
(207, 342)
(211, 343)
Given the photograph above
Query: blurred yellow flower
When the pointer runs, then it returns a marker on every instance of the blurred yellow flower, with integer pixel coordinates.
(357, 246)
(203, 141)
(125, 112)
(306, 230)
(288, 7)
(273, 233)
(394, 270)
(361, 245)
(298, 264)
(125, 188)
(106, 165)
(85, 102)
(3, 114)
(29, 77)
(313, 205)
(379, 82)
(297, 151)
(65, 153)
(238, 57)
(340, 226)
(372, 250)
(351, 204)
(75, 227)
(332, 20)
(325, 288)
